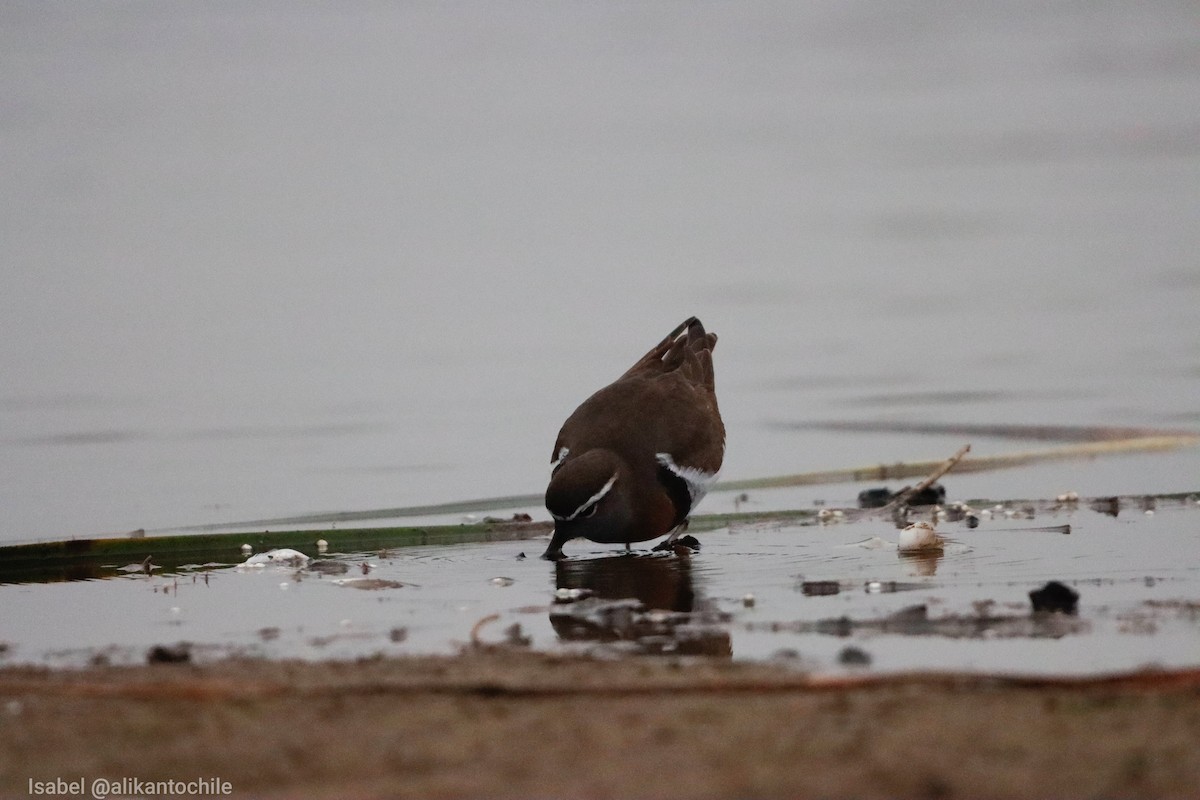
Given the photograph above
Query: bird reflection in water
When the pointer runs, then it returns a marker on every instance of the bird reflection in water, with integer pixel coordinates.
(647, 601)
(923, 563)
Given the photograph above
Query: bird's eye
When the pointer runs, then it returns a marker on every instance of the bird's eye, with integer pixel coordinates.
(591, 512)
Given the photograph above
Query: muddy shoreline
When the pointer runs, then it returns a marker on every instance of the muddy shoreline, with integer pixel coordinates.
(501, 723)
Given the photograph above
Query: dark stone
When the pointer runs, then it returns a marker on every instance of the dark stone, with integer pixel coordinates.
(1054, 596)
(878, 498)
(854, 657)
(874, 498)
(818, 588)
(930, 496)
(170, 654)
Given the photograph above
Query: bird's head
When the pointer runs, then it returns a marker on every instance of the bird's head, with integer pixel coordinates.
(588, 498)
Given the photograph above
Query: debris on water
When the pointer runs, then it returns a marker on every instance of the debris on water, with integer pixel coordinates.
(851, 656)
(929, 496)
(972, 521)
(920, 537)
(514, 637)
(820, 588)
(748, 601)
(889, 587)
(170, 654)
(478, 626)
(915, 621)
(369, 584)
(502, 581)
(565, 595)
(1107, 505)
(518, 517)
(874, 498)
(329, 567)
(956, 512)
(679, 546)
(146, 565)
(643, 630)
(366, 568)
(1055, 597)
(322, 546)
(282, 557)
(521, 556)
(1068, 497)
(828, 515)
(398, 634)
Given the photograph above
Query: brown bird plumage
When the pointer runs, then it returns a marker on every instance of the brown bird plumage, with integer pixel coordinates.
(633, 460)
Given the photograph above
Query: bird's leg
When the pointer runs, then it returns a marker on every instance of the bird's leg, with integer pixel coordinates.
(669, 542)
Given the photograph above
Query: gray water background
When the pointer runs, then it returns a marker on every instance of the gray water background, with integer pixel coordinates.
(260, 259)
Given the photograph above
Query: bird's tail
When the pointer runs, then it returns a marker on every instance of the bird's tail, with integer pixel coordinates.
(689, 347)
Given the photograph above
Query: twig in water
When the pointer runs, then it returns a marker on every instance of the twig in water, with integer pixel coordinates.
(475, 640)
(902, 496)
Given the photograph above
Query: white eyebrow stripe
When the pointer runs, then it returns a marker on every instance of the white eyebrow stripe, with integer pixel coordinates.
(698, 481)
(563, 452)
(591, 501)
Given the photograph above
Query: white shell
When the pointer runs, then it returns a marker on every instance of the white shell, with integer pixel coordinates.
(283, 557)
(920, 536)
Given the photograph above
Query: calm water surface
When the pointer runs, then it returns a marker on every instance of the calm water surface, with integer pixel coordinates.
(258, 261)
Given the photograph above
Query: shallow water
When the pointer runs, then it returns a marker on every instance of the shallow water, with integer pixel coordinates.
(261, 261)
(798, 594)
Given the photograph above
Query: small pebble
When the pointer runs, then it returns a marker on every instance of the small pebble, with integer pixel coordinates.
(502, 581)
(1055, 596)
(173, 654)
(854, 657)
(247, 549)
(322, 545)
